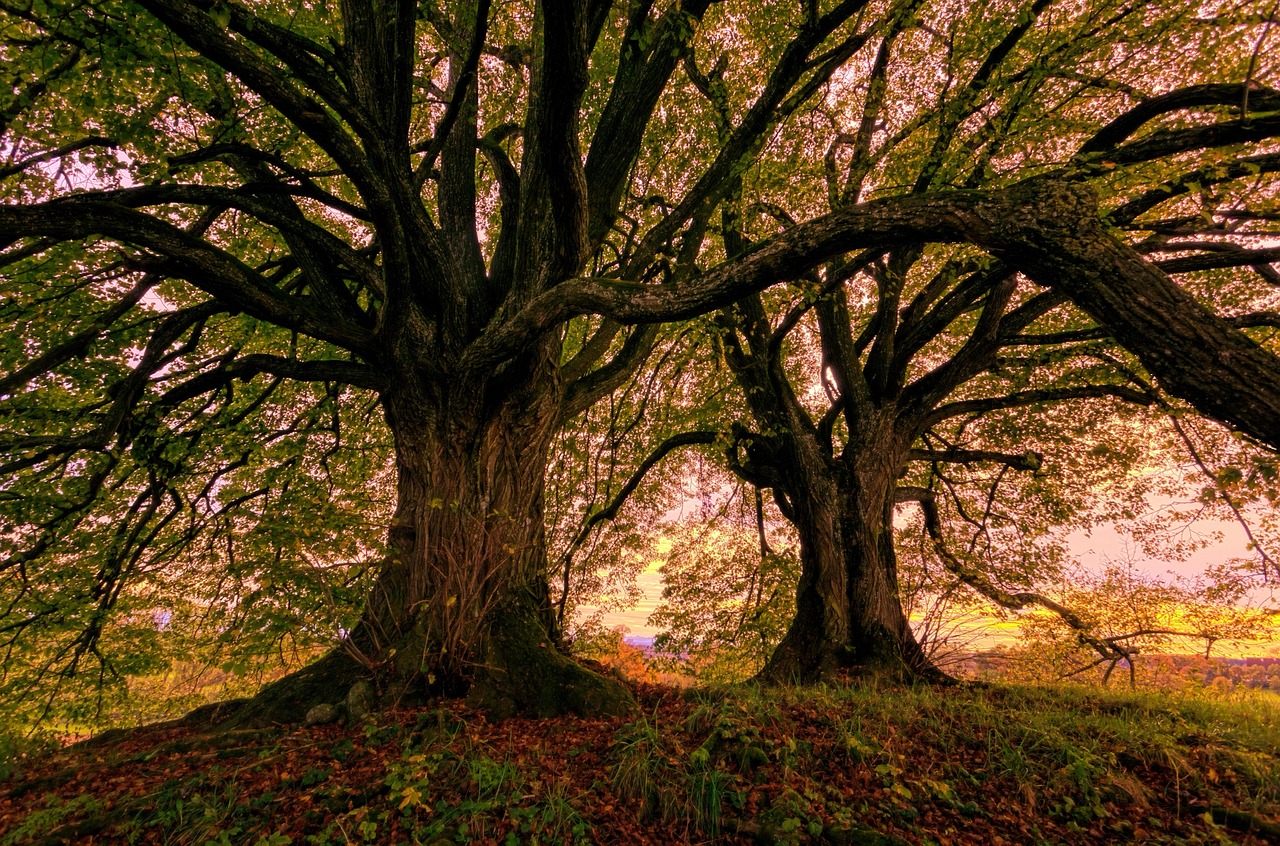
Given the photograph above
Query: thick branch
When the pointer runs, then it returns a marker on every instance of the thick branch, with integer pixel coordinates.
(208, 268)
(1053, 234)
(462, 89)
(1223, 255)
(204, 35)
(641, 79)
(591, 387)
(1169, 142)
(770, 107)
(1047, 229)
(1029, 461)
(1022, 399)
(562, 80)
(327, 370)
(1190, 97)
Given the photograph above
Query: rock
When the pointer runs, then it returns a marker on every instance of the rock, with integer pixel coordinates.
(360, 701)
(322, 714)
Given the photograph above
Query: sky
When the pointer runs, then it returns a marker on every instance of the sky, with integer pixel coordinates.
(1094, 550)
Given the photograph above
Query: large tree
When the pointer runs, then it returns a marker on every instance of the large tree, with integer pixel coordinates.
(934, 357)
(232, 232)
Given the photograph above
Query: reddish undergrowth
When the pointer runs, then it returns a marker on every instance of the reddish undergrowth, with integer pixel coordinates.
(834, 765)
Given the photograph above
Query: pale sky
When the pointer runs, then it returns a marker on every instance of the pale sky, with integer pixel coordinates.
(1094, 550)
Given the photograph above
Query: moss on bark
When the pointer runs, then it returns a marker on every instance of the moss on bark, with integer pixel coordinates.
(524, 673)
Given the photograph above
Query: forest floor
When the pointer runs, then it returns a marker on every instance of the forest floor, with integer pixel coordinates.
(839, 764)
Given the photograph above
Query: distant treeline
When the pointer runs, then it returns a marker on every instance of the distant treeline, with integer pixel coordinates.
(1153, 670)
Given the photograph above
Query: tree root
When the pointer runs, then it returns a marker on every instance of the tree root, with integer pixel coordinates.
(524, 673)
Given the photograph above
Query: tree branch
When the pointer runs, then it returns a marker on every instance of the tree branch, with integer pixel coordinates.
(1268, 563)
(588, 388)
(610, 511)
(462, 89)
(1021, 399)
(641, 79)
(1043, 227)
(1029, 461)
(208, 268)
(1107, 649)
(57, 153)
(765, 112)
(199, 30)
(243, 369)
(1222, 255)
(1190, 97)
(1169, 142)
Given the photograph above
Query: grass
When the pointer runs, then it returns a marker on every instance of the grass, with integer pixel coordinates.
(867, 764)
(645, 770)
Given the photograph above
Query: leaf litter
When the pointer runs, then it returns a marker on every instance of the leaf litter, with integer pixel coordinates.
(839, 764)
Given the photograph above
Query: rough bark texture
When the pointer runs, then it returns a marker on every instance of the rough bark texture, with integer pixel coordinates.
(1052, 232)
(848, 611)
(461, 602)
(817, 640)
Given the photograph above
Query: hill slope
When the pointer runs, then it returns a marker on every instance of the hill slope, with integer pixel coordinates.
(839, 765)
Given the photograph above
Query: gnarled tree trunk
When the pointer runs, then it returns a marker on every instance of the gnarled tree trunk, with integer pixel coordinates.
(461, 602)
(848, 612)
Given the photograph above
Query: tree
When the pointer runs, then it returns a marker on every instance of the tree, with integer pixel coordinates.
(432, 228)
(932, 358)
(1133, 614)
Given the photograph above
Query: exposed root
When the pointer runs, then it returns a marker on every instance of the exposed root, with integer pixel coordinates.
(287, 700)
(524, 673)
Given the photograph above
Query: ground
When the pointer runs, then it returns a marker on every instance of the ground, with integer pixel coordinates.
(843, 764)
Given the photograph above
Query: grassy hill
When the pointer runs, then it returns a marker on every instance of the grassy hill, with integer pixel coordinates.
(834, 764)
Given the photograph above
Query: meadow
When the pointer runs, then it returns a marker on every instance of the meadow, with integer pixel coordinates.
(841, 763)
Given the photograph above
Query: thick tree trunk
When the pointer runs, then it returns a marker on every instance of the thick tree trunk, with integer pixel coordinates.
(461, 603)
(848, 611)
(817, 639)
(880, 636)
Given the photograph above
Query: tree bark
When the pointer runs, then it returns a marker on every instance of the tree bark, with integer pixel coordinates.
(848, 612)
(816, 642)
(462, 603)
(1051, 231)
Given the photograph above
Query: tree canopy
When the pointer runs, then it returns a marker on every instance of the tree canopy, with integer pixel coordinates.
(301, 295)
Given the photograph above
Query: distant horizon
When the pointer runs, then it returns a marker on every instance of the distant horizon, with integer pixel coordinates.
(1094, 550)
(1272, 656)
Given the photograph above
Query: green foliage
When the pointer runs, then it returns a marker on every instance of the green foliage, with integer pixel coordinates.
(197, 811)
(14, 749)
(553, 819)
(725, 605)
(1143, 614)
(194, 455)
(50, 819)
(595, 454)
(226, 524)
(439, 795)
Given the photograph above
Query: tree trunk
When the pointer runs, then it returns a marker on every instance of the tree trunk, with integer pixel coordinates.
(848, 612)
(817, 639)
(880, 636)
(462, 602)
